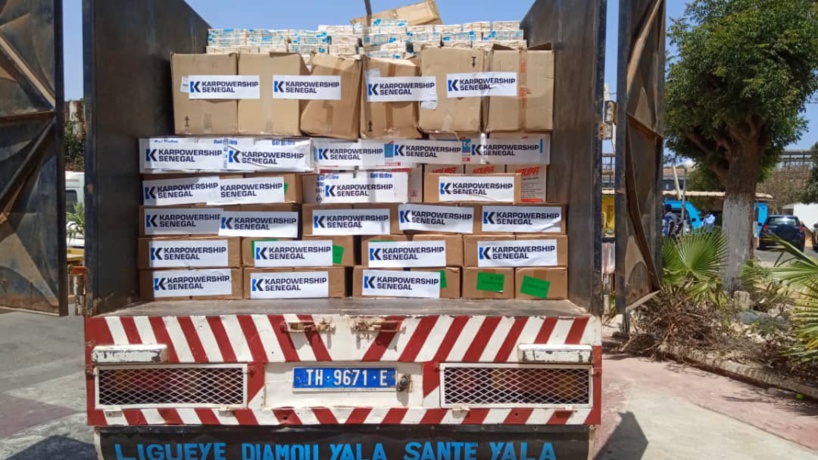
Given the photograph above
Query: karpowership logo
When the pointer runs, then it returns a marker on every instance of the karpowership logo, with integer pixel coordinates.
(517, 218)
(180, 155)
(509, 149)
(187, 283)
(397, 283)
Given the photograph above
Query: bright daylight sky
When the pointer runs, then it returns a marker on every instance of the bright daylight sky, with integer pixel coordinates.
(280, 14)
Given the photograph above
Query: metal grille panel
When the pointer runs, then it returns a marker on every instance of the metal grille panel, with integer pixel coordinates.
(515, 386)
(195, 386)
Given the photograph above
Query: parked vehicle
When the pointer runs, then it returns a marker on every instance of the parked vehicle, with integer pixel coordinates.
(788, 228)
(215, 379)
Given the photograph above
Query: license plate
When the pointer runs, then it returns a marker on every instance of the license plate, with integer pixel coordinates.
(343, 378)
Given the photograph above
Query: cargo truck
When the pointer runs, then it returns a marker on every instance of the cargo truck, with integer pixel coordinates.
(386, 379)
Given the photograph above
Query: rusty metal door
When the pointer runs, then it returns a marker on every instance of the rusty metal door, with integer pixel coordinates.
(32, 184)
(639, 150)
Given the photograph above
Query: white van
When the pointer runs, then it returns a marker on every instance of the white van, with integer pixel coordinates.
(74, 193)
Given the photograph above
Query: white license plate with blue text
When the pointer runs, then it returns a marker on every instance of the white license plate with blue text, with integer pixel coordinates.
(343, 378)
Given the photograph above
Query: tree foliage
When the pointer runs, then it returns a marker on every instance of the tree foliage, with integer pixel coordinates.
(74, 144)
(743, 72)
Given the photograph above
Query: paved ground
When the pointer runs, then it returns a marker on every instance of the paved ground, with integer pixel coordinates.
(652, 410)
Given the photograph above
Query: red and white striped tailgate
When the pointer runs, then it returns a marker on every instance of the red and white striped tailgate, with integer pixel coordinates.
(259, 342)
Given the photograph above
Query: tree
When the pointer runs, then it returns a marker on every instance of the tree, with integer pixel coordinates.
(74, 144)
(810, 193)
(735, 95)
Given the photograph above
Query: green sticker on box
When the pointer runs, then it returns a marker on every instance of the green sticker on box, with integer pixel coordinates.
(535, 287)
(253, 247)
(337, 254)
(443, 283)
(492, 282)
(286, 185)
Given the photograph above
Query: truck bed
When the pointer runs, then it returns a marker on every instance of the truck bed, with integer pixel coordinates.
(363, 307)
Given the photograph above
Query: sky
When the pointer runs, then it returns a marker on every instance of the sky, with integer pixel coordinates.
(291, 15)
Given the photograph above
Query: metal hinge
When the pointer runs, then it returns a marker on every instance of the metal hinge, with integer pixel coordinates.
(308, 326)
(377, 325)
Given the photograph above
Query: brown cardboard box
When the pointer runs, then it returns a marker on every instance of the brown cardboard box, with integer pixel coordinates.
(388, 120)
(470, 256)
(454, 246)
(374, 239)
(202, 116)
(451, 288)
(533, 181)
(336, 280)
(562, 245)
(148, 280)
(533, 109)
(166, 257)
(461, 115)
(416, 14)
(268, 116)
(309, 189)
(451, 291)
(293, 185)
(551, 282)
(345, 249)
(394, 220)
(275, 207)
(541, 226)
(432, 183)
(338, 119)
(247, 259)
(484, 283)
(306, 215)
(485, 169)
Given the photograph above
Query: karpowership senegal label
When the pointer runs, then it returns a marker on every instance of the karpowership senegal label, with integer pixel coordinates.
(188, 190)
(522, 219)
(307, 87)
(188, 253)
(272, 254)
(424, 152)
(364, 187)
(283, 285)
(181, 221)
(331, 154)
(481, 84)
(477, 188)
(192, 283)
(520, 253)
(445, 219)
(384, 283)
(407, 254)
(261, 224)
(181, 154)
(401, 89)
(224, 86)
(255, 190)
(340, 222)
(265, 155)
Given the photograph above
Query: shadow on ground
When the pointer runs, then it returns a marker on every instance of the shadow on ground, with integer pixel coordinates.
(627, 442)
(57, 447)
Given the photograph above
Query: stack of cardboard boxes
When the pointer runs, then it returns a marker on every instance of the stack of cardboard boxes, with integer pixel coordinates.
(358, 176)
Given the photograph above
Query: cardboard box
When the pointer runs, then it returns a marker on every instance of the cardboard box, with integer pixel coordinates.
(471, 255)
(488, 188)
(480, 170)
(179, 220)
(268, 116)
(450, 280)
(202, 116)
(356, 188)
(258, 189)
(541, 283)
(533, 184)
(533, 109)
(345, 250)
(207, 284)
(488, 283)
(335, 118)
(388, 120)
(414, 283)
(454, 246)
(521, 218)
(188, 252)
(560, 240)
(302, 283)
(415, 14)
(461, 115)
(374, 239)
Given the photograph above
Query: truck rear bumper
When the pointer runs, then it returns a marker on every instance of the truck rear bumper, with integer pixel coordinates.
(353, 443)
